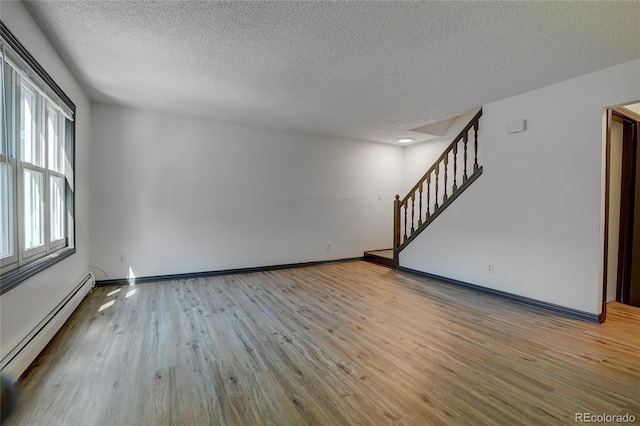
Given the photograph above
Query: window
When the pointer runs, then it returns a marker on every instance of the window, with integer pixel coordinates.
(36, 166)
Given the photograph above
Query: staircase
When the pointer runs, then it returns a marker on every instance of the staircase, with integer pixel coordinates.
(384, 257)
(449, 176)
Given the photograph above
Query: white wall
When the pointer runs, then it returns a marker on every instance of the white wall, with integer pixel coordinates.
(536, 212)
(180, 194)
(23, 307)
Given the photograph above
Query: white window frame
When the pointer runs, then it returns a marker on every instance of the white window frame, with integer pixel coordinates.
(28, 254)
(23, 71)
(12, 259)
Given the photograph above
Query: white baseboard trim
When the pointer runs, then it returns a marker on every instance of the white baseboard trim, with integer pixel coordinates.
(16, 362)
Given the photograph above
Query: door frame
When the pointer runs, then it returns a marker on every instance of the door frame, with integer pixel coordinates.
(629, 164)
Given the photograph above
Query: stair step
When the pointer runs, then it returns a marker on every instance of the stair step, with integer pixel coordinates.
(381, 257)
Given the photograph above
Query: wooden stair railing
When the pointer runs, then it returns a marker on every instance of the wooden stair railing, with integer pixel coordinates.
(443, 175)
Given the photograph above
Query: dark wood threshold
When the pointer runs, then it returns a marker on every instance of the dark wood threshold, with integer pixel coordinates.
(185, 276)
(562, 310)
(383, 257)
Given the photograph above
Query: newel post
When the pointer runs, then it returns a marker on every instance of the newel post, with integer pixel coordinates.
(396, 223)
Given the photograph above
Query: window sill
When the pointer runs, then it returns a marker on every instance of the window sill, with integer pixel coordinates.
(13, 278)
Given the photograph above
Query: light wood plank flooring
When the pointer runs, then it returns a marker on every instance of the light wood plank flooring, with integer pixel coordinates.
(350, 343)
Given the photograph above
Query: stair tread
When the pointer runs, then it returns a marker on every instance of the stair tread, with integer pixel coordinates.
(388, 253)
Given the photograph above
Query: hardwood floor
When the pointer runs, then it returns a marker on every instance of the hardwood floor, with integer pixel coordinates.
(350, 343)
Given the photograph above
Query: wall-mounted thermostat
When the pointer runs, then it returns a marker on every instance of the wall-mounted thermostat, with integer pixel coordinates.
(516, 126)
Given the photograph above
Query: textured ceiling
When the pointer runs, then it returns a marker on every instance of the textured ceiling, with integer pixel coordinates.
(370, 70)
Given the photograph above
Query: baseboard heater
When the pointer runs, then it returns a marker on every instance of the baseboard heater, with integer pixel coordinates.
(22, 355)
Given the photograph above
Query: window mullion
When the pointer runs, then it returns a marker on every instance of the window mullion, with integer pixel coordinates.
(19, 186)
(20, 173)
(43, 132)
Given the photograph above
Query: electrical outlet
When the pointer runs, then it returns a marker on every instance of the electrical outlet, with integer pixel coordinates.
(490, 268)
(123, 257)
(328, 246)
(379, 195)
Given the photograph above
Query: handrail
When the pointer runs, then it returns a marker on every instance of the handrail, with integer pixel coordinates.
(444, 153)
(440, 201)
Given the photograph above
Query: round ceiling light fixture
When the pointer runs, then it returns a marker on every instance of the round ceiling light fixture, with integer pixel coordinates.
(405, 139)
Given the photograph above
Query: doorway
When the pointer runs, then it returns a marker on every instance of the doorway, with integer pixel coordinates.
(622, 262)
